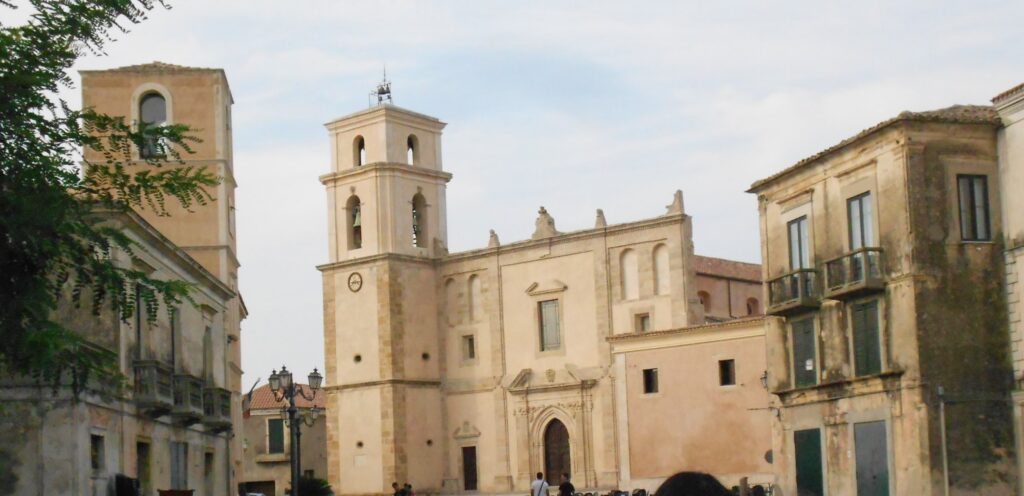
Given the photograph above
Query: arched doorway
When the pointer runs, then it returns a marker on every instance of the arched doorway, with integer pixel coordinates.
(556, 452)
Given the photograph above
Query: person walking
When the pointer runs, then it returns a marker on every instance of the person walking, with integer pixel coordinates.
(566, 488)
(540, 486)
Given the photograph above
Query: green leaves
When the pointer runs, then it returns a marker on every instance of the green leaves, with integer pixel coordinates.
(57, 240)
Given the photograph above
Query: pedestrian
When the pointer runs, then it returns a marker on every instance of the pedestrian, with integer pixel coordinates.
(540, 486)
(398, 492)
(566, 488)
(408, 490)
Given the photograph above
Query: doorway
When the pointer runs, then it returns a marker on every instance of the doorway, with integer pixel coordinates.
(469, 468)
(556, 452)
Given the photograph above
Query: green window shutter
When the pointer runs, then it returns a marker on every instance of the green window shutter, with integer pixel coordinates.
(275, 431)
(809, 478)
(805, 361)
(866, 344)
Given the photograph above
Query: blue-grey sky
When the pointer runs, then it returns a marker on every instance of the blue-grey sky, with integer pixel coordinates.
(571, 105)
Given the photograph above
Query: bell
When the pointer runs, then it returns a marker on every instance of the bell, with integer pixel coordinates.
(357, 219)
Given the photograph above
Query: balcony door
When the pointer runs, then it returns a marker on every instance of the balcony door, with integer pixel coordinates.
(799, 244)
(862, 233)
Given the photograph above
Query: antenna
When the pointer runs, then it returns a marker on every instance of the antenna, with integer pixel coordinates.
(383, 91)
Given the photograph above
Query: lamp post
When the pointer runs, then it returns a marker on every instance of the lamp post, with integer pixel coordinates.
(283, 388)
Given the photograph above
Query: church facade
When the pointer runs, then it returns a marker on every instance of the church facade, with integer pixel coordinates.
(472, 371)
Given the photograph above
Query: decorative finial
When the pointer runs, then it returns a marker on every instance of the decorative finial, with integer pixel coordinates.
(600, 219)
(677, 204)
(383, 91)
(545, 225)
(493, 242)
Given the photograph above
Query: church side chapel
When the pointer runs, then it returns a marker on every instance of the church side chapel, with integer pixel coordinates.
(605, 353)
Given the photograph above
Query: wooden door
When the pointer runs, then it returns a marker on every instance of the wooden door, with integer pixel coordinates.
(556, 452)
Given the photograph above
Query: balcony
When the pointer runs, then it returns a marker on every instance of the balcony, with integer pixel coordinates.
(854, 274)
(154, 387)
(794, 292)
(188, 399)
(217, 409)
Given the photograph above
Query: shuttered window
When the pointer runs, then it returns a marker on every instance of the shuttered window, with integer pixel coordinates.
(867, 352)
(275, 436)
(550, 334)
(805, 359)
(974, 218)
(179, 465)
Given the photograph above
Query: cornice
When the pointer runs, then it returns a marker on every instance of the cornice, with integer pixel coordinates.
(381, 168)
(391, 257)
(706, 333)
(384, 382)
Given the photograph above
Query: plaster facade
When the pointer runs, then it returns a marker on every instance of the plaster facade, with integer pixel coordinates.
(1010, 105)
(472, 371)
(154, 430)
(886, 311)
(267, 469)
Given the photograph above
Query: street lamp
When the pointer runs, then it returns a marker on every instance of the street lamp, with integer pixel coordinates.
(283, 388)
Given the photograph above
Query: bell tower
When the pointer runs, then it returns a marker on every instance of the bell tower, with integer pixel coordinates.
(386, 189)
(386, 211)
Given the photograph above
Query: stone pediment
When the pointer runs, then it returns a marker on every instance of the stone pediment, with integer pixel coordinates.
(466, 431)
(550, 286)
(569, 377)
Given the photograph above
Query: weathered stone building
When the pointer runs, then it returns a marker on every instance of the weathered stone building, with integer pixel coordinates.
(1010, 105)
(472, 371)
(172, 427)
(884, 265)
(268, 446)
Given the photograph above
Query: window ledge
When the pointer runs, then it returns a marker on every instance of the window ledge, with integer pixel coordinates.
(839, 383)
(273, 458)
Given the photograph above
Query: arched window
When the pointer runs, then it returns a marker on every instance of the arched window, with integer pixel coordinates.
(753, 308)
(705, 300)
(475, 298)
(628, 275)
(419, 221)
(354, 223)
(451, 301)
(152, 112)
(413, 150)
(661, 277)
(359, 151)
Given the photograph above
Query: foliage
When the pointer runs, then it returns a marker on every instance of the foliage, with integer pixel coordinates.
(53, 241)
(311, 486)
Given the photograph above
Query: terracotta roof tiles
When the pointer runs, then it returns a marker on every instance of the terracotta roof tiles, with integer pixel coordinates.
(727, 268)
(263, 399)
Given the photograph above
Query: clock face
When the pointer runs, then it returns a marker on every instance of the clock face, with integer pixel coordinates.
(355, 282)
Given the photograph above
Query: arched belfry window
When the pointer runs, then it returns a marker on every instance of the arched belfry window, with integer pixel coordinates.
(628, 274)
(354, 222)
(419, 221)
(753, 308)
(705, 300)
(152, 112)
(413, 150)
(359, 151)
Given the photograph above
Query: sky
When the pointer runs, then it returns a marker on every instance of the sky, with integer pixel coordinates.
(573, 105)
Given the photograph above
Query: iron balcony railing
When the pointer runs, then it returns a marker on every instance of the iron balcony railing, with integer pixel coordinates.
(154, 387)
(188, 399)
(217, 409)
(793, 292)
(855, 272)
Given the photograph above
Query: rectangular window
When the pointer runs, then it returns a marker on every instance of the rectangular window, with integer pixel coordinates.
(805, 359)
(175, 332)
(643, 322)
(650, 381)
(974, 218)
(867, 350)
(872, 458)
(809, 477)
(138, 324)
(275, 436)
(727, 372)
(179, 465)
(97, 453)
(550, 334)
(468, 347)
(208, 472)
(799, 244)
(860, 222)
